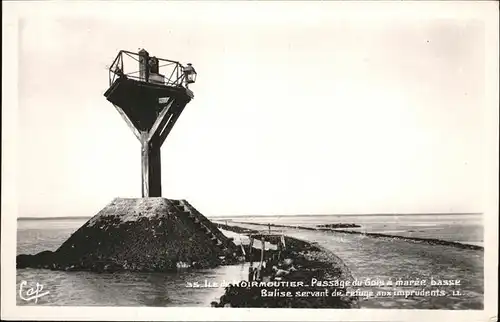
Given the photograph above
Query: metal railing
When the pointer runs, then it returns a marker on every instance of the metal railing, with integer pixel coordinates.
(128, 64)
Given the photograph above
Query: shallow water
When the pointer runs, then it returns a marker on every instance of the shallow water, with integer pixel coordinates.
(366, 257)
(112, 289)
(386, 259)
(463, 228)
(129, 289)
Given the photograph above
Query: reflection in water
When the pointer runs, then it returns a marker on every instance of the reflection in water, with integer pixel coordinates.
(384, 259)
(112, 289)
(131, 289)
(366, 257)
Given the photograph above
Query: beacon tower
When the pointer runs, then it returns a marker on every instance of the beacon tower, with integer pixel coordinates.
(150, 94)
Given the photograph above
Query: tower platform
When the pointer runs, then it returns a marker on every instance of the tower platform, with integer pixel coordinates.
(140, 100)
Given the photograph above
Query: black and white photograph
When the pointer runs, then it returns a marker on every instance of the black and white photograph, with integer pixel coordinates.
(250, 160)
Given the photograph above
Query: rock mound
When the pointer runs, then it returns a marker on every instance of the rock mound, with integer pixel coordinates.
(138, 234)
(340, 225)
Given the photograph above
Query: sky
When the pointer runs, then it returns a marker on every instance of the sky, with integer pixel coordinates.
(298, 110)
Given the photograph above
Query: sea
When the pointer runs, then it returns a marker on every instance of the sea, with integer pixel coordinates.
(362, 256)
(461, 228)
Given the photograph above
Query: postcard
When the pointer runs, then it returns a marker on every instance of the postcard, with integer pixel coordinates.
(253, 160)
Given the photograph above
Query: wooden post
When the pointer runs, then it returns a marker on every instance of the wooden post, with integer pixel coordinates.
(242, 248)
(263, 244)
(250, 251)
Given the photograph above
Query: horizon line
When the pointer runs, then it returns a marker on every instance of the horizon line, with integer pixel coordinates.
(290, 215)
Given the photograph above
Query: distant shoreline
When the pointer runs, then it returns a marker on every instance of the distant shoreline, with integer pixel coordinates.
(52, 218)
(267, 216)
(354, 215)
(432, 241)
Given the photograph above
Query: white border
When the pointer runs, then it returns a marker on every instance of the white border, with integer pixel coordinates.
(482, 10)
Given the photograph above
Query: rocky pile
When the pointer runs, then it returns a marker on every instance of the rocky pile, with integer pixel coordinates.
(138, 234)
(340, 225)
(301, 262)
